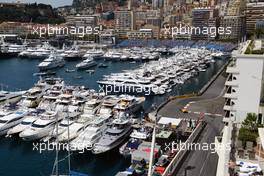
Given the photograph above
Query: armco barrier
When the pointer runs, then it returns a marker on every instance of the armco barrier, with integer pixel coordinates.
(180, 155)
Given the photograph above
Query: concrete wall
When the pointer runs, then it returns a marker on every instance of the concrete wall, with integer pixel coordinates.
(249, 86)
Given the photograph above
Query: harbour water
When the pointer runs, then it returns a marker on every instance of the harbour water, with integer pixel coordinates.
(19, 158)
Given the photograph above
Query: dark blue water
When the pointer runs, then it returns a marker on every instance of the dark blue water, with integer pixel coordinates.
(17, 157)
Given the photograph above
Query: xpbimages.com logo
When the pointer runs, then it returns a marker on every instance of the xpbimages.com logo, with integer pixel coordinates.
(183, 29)
(52, 146)
(211, 147)
(79, 31)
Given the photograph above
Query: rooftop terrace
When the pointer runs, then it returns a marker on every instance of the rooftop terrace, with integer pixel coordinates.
(255, 47)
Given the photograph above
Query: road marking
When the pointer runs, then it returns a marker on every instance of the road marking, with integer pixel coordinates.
(206, 113)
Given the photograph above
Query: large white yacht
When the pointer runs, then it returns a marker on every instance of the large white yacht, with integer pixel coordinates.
(73, 54)
(32, 97)
(11, 120)
(72, 132)
(129, 104)
(53, 61)
(94, 53)
(43, 126)
(107, 105)
(40, 53)
(113, 136)
(90, 135)
(87, 63)
(27, 121)
(15, 49)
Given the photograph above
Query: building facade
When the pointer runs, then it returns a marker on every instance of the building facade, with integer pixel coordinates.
(237, 25)
(124, 22)
(244, 84)
(254, 12)
(140, 34)
(203, 18)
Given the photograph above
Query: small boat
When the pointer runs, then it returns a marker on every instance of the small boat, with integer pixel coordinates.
(44, 73)
(78, 77)
(69, 70)
(89, 71)
(101, 65)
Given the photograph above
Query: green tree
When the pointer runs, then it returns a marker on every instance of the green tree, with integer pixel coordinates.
(249, 129)
(250, 122)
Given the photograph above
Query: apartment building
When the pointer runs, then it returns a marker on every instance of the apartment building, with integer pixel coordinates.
(124, 22)
(254, 12)
(245, 83)
(237, 24)
(82, 20)
(140, 34)
(203, 18)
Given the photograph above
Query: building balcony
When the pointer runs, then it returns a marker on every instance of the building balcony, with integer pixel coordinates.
(232, 83)
(233, 70)
(230, 95)
(229, 108)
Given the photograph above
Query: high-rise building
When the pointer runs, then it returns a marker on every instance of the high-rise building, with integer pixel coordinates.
(125, 22)
(245, 83)
(82, 20)
(254, 12)
(156, 4)
(232, 17)
(237, 25)
(202, 19)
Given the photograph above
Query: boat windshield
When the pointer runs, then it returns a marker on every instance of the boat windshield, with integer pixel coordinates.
(63, 125)
(39, 126)
(3, 121)
(25, 123)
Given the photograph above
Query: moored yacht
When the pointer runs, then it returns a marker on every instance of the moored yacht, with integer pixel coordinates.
(90, 135)
(53, 61)
(106, 107)
(72, 132)
(32, 97)
(129, 104)
(94, 53)
(11, 120)
(87, 63)
(26, 122)
(42, 127)
(116, 134)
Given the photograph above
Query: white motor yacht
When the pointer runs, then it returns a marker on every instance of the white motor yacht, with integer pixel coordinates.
(72, 132)
(113, 136)
(129, 104)
(43, 126)
(87, 63)
(26, 123)
(11, 120)
(32, 98)
(94, 53)
(53, 61)
(90, 135)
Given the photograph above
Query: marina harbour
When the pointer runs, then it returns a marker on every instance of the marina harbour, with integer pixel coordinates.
(62, 100)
